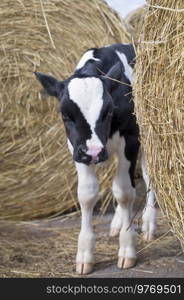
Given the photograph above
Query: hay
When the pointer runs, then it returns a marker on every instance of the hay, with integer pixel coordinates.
(134, 22)
(37, 176)
(47, 248)
(159, 105)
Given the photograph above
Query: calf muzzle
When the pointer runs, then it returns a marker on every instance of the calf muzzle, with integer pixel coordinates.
(92, 155)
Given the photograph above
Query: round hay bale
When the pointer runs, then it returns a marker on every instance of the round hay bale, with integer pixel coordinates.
(37, 176)
(160, 105)
(134, 21)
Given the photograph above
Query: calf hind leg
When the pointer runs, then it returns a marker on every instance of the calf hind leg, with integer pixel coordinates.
(149, 212)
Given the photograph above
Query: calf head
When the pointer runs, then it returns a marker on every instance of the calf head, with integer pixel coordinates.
(87, 108)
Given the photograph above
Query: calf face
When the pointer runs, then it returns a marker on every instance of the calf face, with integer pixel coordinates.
(87, 109)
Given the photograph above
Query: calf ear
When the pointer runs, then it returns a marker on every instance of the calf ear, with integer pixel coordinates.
(52, 86)
(113, 76)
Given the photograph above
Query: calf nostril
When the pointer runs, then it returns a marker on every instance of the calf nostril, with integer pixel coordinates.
(81, 150)
(84, 158)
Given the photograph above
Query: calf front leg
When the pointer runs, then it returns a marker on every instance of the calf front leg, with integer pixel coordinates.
(87, 194)
(124, 193)
(117, 221)
(125, 196)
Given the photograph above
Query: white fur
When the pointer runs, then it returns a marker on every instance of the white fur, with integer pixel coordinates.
(87, 55)
(124, 193)
(88, 188)
(87, 194)
(70, 147)
(128, 70)
(149, 212)
(87, 93)
(117, 222)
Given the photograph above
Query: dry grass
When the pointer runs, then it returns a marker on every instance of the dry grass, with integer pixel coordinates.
(135, 21)
(37, 176)
(47, 248)
(160, 105)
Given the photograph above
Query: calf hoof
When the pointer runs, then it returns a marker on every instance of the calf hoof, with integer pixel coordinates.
(114, 232)
(126, 262)
(84, 268)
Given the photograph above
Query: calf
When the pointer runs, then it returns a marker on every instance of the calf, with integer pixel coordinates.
(98, 113)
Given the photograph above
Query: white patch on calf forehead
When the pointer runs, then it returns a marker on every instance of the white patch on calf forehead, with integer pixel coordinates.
(87, 56)
(128, 70)
(87, 93)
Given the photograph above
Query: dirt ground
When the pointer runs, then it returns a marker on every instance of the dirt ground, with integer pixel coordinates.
(47, 248)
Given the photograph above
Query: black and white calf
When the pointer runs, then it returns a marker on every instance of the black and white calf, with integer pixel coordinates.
(98, 114)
